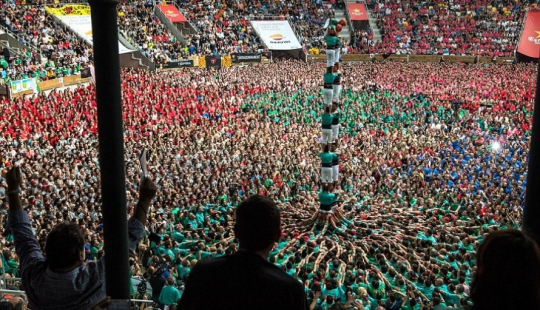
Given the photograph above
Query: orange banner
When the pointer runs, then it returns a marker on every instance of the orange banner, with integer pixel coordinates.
(357, 11)
(529, 45)
(172, 13)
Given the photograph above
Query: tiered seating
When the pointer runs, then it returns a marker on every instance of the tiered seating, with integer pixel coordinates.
(483, 28)
(362, 42)
(144, 30)
(224, 26)
(65, 52)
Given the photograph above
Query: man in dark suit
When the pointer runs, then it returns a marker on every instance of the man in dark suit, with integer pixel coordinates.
(246, 280)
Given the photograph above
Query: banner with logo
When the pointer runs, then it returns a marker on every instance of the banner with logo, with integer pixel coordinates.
(24, 85)
(172, 13)
(357, 11)
(246, 57)
(77, 18)
(86, 73)
(180, 63)
(213, 62)
(276, 34)
(529, 45)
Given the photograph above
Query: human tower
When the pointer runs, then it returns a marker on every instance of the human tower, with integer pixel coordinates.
(328, 212)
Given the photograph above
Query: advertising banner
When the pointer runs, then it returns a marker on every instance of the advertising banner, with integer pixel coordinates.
(86, 73)
(357, 11)
(529, 44)
(78, 19)
(213, 62)
(172, 13)
(180, 63)
(276, 34)
(24, 85)
(246, 57)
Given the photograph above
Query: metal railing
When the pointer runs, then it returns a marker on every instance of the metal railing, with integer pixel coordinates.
(170, 25)
(298, 36)
(193, 27)
(349, 21)
(20, 40)
(23, 293)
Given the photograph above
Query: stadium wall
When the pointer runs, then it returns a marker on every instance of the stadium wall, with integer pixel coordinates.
(52, 84)
(414, 58)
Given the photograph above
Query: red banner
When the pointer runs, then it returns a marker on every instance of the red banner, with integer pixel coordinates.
(529, 44)
(357, 11)
(172, 13)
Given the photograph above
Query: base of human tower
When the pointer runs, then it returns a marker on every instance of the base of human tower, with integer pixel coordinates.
(327, 219)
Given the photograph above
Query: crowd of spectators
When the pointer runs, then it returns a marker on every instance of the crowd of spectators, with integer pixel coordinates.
(224, 25)
(143, 29)
(362, 42)
(483, 28)
(46, 38)
(434, 157)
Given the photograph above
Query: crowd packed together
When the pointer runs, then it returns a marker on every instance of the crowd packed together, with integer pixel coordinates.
(52, 50)
(483, 28)
(142, 28)
(432, 158)
(224, 26)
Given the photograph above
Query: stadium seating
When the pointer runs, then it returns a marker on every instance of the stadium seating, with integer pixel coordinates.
(66, 53)
(483, 28)
(144, 31)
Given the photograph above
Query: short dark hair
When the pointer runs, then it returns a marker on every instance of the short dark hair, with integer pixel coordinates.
(257, 223)
(337, 306)
(508, 265)
(6, 305)
(63, 246)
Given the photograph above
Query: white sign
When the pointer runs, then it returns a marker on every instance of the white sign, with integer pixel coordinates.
(276, 34)
(24, 85)
(82, 25)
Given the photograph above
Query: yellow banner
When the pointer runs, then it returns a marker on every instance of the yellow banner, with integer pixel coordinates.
(227, 61)
(202, 62)
(69, 10)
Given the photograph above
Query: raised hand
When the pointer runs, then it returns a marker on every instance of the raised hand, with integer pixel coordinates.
(13, 178)
(147, 191)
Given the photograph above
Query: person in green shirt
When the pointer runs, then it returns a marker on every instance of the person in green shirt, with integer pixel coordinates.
(327, 200)
(94, 250)
(169, 294)
(49, 64)
(326, 165)
(177, 235)
(327, 125)
(331, 39)
(328, 91)
(3, 63)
